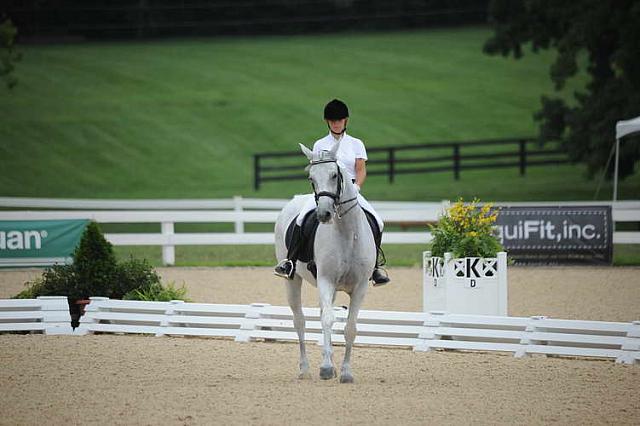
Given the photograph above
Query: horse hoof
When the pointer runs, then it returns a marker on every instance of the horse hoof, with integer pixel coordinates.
(327, 373)
(346, 378)
(304, 375)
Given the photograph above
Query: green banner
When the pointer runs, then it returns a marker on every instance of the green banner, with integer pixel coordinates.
(39, 242)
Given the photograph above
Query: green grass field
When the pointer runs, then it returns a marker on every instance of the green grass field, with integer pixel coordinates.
(263, 255)
(182, 118)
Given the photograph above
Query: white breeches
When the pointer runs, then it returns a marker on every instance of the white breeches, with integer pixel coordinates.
(311, 204)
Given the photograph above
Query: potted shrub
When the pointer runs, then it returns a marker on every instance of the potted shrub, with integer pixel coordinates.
(465, 271)
(94, 272)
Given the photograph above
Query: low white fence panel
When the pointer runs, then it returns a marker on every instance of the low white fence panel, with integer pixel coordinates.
(421, 331)
(46, 314)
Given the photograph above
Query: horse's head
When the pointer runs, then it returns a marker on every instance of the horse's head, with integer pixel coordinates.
(327, 181)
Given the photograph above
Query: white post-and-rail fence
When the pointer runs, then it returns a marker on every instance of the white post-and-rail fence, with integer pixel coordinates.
(46, 314)
(420, 331)
(237, 210)
(241, 211)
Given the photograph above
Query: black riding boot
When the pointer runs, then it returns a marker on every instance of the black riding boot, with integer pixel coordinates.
(287, 267)
(379, 277)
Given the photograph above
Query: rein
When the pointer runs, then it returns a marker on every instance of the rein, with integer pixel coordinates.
(334, 195)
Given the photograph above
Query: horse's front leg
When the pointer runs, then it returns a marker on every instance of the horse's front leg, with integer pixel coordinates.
(350, 330)
(327, 293)
(294, 295)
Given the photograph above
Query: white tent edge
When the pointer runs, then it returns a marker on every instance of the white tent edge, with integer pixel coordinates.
(626, 127)
(623, 128)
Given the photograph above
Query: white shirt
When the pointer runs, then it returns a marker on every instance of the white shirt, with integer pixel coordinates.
(350, 149)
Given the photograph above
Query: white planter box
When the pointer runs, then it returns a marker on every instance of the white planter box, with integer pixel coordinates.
(469, 285)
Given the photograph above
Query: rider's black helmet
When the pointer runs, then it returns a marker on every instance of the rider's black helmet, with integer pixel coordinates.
(336, 110)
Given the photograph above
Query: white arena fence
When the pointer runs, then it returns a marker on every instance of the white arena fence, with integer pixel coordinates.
(420, 331)
(238, 210)
(46, 314)
(241, 211)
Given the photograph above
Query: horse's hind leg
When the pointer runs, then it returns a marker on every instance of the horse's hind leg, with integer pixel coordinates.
(294, 290)
(350, 331)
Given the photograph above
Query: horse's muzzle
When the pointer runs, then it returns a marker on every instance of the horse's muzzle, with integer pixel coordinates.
(324, 216)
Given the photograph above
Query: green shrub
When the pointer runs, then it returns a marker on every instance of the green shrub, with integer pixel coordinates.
(466, 230)
(61, 280)
(133, 274)
(95, 272)
(32, 289)
(159, 293)
(94, 263)
(58, 280)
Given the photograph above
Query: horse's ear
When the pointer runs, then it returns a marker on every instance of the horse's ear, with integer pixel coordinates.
(306, 151)
(334, 151)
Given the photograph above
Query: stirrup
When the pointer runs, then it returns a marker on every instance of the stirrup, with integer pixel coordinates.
(380, 277)
(285, 269)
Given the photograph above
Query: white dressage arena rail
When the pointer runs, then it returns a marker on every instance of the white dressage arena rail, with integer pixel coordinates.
(46, 314)
(235, 203)
(241, 203)
(238, 211)
(241, 211)
(421, 331)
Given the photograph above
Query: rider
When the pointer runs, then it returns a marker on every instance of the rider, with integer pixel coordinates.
(352, 157)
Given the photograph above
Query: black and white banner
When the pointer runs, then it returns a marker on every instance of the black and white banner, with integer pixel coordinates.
(557, 234)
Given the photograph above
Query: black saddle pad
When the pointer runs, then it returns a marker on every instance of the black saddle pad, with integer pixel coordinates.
(373, 223)
(309, 228)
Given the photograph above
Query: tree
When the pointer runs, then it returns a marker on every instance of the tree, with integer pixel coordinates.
(608, 31)
(8, 54)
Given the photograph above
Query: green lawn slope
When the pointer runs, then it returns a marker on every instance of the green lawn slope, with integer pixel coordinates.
(182, 118)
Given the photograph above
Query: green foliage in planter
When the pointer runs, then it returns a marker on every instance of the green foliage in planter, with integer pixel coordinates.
(157, 292)
(133, 274)
(59, 280)
(95, 272)
(466, 230)
(94, 263)
(32, 289)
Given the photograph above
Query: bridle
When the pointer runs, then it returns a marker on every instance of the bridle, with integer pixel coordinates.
(334, 195)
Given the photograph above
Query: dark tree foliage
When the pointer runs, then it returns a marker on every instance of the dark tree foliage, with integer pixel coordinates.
(608, 32)
(99, 19)
(8, 54)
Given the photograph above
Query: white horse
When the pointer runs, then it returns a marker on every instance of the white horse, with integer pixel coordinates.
(344, 253)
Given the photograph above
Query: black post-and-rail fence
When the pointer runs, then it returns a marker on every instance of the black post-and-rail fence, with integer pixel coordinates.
(453, 157)
(105, 19)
